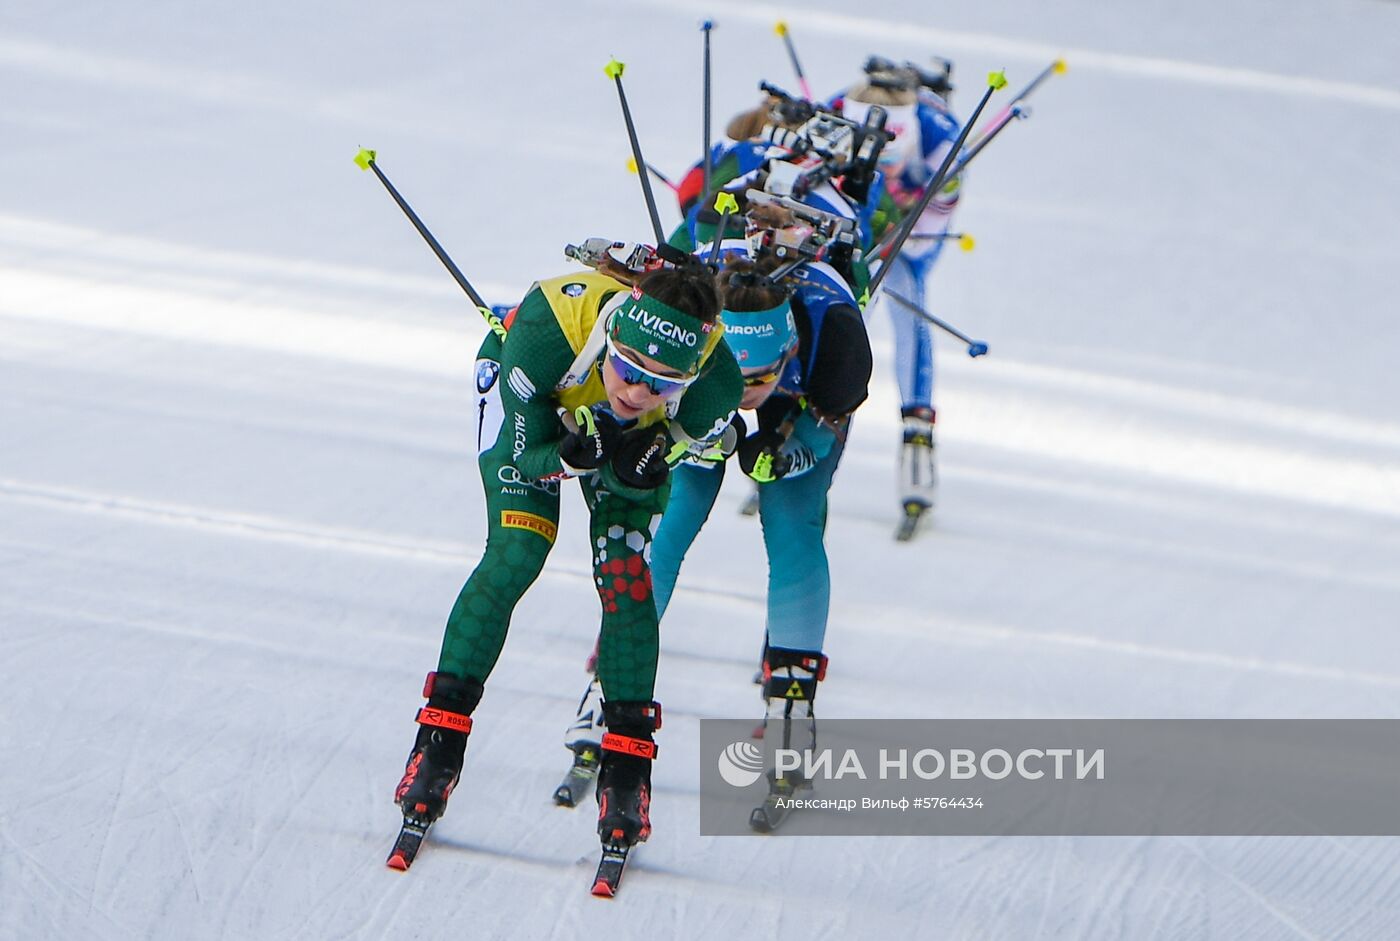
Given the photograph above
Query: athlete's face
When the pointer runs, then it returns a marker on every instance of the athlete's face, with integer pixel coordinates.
(759, 383)
(636, 383)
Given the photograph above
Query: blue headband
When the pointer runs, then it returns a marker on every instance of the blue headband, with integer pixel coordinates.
(760, 337)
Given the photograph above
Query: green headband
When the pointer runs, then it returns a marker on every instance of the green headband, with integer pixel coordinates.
(660, 331)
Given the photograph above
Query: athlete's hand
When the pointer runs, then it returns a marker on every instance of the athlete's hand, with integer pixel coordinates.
(761, 456)
(639, 460)
(589, 446)
(731, 437)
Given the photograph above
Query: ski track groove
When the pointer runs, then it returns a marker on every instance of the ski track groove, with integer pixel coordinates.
(425, 446)
(289, 650)
(989, 525)
(278, 529)
(308, 912)
(380, 925)
(984, 891)
(266, 829)
(1048, 896)
(458, 555)
(565, 918)
(115, 806)
(59, 887)
(1198, 557)
(1262, 514)
(172, 806)
(1275, 912)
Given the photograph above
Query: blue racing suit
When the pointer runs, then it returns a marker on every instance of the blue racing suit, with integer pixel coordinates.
(909, 165)
(820, 387)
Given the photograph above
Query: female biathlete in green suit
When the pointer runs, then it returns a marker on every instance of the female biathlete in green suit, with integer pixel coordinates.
(610, 384)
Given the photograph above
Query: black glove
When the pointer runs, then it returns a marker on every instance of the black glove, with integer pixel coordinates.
(733, 436)
(721, 448)
(639, 460)
(761, 456)
(592, 444)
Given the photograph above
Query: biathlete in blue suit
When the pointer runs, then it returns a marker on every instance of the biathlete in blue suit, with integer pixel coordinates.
(925, 129)
(804, 383)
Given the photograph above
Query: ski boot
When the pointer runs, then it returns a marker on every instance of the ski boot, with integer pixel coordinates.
(435, 763)
(759, 679)
(624, 787)
(789, 677)
(624, 781)
(918, 469)
(436, 760)
(584, 740)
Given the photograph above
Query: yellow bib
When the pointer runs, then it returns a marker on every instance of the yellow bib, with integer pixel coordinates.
(576, 301)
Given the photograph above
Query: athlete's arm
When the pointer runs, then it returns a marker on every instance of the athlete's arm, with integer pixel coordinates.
(534, 356)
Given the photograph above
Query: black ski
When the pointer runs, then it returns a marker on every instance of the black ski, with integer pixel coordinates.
(405, 849)
(610, 868)
(768, 816)
(581, 777)
(914, 514)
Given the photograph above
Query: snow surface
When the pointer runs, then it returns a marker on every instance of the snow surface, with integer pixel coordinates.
(237, 494)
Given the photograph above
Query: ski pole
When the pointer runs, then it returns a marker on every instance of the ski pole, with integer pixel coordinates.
(782, 30)
(1016, 109)
(990, 134)
(614, 71)
(995, 81)
(965, 241)
(632, 167)
(705, 27)
(993, 129)
(1058, 67)
(975, 348)
(1013, 111)
(726, 205)
(365, 160)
